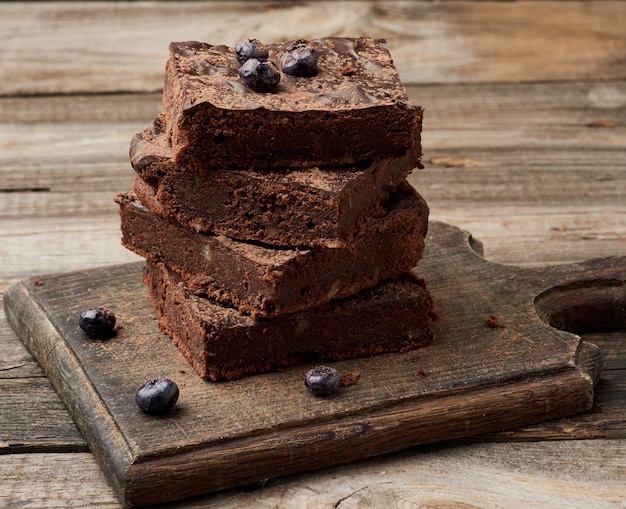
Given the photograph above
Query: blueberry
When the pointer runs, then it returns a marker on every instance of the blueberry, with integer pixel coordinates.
(158, 396)
(299, 60)
(250, 48)
(260, 75)
(322, 380)
(98, 322)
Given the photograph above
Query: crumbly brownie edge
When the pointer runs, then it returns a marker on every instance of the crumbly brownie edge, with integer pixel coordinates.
(265, 281)
(276, 210)
(313, 206)
(313, 138)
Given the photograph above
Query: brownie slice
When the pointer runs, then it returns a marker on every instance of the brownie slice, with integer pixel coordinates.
(266, 281)
(222, 344)
(307, 207)
(353, 109)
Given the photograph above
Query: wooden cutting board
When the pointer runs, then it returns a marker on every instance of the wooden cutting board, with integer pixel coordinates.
(496, 364)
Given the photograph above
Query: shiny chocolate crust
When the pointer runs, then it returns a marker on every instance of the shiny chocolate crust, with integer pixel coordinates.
(265, 281)
(304, 207)
(222, 344)
(353, 109)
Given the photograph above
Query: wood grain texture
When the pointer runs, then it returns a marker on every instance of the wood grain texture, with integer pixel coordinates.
(43, 424)
(444, 42)
(15, 360)
(529, 475)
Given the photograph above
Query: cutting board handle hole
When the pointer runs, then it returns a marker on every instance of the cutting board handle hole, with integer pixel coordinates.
(476, 245)
(584, 306)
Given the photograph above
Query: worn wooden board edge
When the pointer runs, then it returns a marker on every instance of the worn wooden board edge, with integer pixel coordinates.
(220, 466)
(414, 423)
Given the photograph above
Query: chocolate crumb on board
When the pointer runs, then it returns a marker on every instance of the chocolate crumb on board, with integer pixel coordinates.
(493, 323)
(348, 70)
(603, 123)
(349, 379)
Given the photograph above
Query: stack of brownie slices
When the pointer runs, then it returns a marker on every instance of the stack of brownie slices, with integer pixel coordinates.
(278, 226)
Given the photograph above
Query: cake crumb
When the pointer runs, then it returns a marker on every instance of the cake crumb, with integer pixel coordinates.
(493, 323)
(456, 162)
(603, 123)
(350, 379)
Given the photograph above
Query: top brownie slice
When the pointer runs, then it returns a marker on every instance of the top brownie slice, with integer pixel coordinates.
(353, 109)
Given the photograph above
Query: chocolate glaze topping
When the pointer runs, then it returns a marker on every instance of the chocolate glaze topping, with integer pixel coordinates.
(352, 73)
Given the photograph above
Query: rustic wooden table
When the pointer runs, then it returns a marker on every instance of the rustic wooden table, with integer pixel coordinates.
(525, 147)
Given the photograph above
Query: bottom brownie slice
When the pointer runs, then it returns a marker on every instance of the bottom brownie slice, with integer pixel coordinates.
(222, 344)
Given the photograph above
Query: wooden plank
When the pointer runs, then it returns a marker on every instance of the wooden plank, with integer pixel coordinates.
(33, 418)
(443, 42)
(53, 480)
(573, 474)
(469, 127)
(15, 360)
(542, 235)
(464, 392)
(42, 245)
